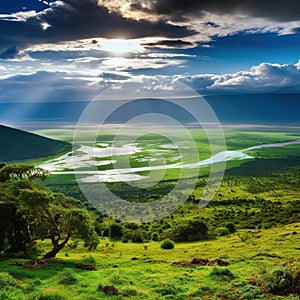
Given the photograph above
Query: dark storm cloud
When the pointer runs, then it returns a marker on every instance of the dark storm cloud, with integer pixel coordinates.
(80, 19)
(280, 10)
(10, 53)
(170, 44)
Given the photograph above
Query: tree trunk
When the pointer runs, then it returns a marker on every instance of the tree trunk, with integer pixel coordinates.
(31, 242)
(57, 247)
(52, 253)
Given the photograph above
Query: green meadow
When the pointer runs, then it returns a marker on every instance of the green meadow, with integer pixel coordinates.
(248, 235)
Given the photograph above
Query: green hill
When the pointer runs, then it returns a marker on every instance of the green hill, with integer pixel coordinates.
(18, 145)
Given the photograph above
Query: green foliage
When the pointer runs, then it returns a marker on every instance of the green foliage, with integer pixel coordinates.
(6, 280)
(50, 297)
(30, 211)
(283, 281)
(249, 292)
(202, 290)
(221, 274)
(22, 172)
(230, 227)
(138, 236)
(66, 278)
(168, 289)
(222, 231)
(13, 232)
(167, 244)
(155, 237)
(190, 231)
(116, 230)
(131, 291)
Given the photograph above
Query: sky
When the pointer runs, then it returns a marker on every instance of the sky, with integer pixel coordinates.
(71, 50)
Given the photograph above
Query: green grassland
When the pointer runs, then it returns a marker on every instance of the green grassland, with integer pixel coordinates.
(144, 270)
(258, 199)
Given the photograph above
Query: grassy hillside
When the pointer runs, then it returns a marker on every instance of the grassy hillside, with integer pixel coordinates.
(17, 145)
(257, 269)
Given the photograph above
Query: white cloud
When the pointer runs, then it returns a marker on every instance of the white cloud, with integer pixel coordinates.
(19, 16)
(265, 77)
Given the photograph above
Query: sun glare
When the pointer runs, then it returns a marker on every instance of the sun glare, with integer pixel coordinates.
(120, 46)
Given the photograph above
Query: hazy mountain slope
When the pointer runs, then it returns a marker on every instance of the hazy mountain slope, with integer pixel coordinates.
(249, 109)
(18, 145)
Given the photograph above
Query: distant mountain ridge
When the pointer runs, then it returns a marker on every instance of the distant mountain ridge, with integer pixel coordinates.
(18, 145)
(233, 109)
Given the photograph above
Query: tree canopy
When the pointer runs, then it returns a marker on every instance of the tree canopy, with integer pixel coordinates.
(29, 212)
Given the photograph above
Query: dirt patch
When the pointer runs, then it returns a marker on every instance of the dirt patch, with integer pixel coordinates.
(197, 262)
(34, 263)
(86, 267)
(110, 290)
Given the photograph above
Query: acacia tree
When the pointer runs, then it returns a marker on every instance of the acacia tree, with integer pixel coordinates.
(30, 211)
(57, 217)
(22, 172)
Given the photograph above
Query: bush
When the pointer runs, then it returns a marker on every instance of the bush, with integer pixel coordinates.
(116, 230)
(190, 231)
(168, 289)
(280, 281)
(127, 235)
(249, 292)
(221, 274)
(222, 231)
(7, 280)
(66, 277)
(202, 290)
(138, 236)
(230, 227)
(155, 237)
(167, 244)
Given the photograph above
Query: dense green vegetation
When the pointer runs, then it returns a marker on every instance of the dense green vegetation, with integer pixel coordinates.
(17, 145)
(30, 212)
(244, 244)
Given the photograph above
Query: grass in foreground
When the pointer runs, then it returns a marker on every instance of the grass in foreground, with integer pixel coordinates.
(144, 271)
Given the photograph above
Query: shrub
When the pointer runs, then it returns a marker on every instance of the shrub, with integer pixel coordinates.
(116, 230)
(168, 289)
(249, 292)
(105, 232)
(279, 282)
(7, 280)
(203, 290)
(221, 274)
(155, 237)
(167, 244)
(230, 227)
(66, 277)
(138, 236)
(222, 231)
(127, 235)
(190, 231)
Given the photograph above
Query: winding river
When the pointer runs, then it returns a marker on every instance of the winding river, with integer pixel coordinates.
(85, 158)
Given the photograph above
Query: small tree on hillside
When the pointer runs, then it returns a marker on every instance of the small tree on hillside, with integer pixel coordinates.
(57, 217)
(22, 172)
